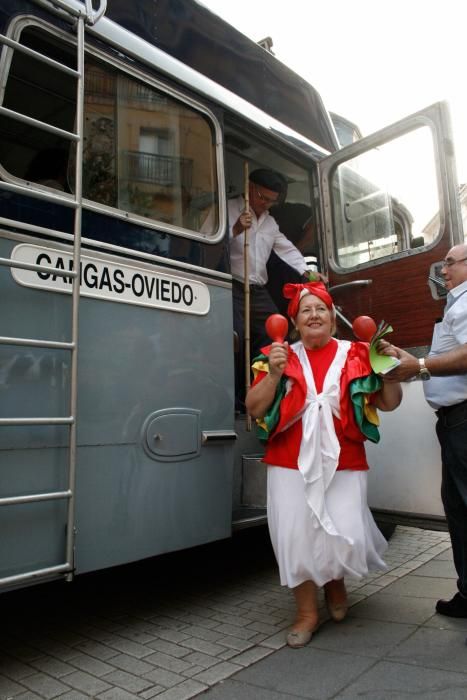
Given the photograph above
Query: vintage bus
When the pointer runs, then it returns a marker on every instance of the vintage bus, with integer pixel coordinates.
(124, 130)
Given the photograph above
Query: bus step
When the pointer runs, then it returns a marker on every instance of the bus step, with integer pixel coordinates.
(38, 574)
(245, 516)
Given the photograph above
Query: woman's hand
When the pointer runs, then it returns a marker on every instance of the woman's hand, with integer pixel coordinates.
(278, 359)
(260, 397)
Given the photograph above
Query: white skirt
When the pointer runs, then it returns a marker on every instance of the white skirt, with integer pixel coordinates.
(303, 549)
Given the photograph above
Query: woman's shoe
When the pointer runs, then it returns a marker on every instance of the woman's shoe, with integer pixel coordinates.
(297, 640)
(338, 612)
(307, 617)
(335, 596)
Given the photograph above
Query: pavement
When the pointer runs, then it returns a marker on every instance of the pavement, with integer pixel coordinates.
(211, 622)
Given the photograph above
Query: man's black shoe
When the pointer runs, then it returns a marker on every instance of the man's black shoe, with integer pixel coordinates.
(456, 607)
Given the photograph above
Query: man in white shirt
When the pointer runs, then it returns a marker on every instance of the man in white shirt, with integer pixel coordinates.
(265, 189)
(445, 370)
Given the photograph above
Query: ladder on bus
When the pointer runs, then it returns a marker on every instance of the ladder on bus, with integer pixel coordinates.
(79, 14)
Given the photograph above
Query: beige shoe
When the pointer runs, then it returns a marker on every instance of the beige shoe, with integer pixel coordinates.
(335, 596)
(297, 640)
(338, 612)
(307, 618)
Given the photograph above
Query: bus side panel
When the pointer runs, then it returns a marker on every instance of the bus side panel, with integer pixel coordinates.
(140, 508)
(134, 362)
(409, 455)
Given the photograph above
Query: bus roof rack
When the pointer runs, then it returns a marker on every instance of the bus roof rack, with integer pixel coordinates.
(76, 8)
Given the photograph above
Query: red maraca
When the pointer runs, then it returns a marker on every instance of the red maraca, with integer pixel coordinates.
(277, 327)
(364, 328)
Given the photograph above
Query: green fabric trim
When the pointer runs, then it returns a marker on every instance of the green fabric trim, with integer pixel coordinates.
(358, 388)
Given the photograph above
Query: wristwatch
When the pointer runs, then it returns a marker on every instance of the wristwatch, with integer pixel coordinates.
(424, 372)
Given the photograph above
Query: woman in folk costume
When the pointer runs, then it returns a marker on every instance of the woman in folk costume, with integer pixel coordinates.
(316, 401)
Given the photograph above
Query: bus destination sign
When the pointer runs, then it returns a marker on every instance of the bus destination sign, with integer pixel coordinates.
(102, 279)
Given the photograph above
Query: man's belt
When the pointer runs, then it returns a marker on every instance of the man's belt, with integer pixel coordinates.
(453, 415)
(253, 287)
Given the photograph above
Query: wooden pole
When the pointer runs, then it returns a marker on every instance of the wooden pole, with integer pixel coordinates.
(246, 289)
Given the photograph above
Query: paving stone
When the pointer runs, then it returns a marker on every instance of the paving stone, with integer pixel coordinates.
(422, 586)
(166, 622)
(152, 692)
(394, 608)
(127, 681)
(87, 663)
(434, 648)
(236, 644)
(204, 660)
(117, 694)
(262, 627)
(209, 635)
(240, 632)
(184, 691)
(60, 651)
(303, 673)
(391, 681)
(203, 646)
(100, 651)
(44, 685)
(138, 636)
(176, 636)
(276, 641)
(217, 673)
(250, 656)
(227, 654)
(170, 663)
(53, 667)
(9, 687)
(86, 683)
(126, 646)
(163, 677)
(167, 648)
(23, 652)
(132, 665)
(15, 669)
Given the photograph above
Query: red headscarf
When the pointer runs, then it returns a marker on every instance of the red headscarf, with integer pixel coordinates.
(294, 292)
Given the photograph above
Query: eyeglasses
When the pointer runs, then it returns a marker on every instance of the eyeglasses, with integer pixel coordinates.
(267, 200)
(450, 263)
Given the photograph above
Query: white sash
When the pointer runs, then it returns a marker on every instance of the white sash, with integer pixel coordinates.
(319, 450)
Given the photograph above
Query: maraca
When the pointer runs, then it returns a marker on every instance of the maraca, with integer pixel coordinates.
(277, 327)
(364, 328)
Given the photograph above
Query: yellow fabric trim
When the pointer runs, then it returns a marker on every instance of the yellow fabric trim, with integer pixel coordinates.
(370, 412)
(260, 366)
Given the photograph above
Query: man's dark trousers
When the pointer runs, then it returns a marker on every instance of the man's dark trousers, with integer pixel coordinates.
(451, 429)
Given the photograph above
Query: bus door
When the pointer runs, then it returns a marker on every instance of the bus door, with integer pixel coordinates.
(390, 213)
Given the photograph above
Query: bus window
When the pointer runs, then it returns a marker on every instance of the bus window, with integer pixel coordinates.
(146, 153)
(162, 166)
(378, 216)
